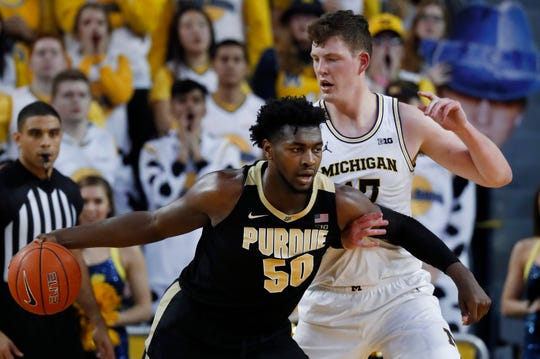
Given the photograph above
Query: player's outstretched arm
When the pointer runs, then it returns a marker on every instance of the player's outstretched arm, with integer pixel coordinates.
(209, 200)
(410, 234)
(423, 244)
(401, 230)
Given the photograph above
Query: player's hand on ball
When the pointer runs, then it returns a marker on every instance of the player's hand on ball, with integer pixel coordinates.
(368, 225)
(44, 278)
(44, 237)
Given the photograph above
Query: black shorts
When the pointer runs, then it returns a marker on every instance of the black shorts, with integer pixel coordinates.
(182, 331)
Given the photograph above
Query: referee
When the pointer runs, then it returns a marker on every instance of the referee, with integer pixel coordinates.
(36, 198)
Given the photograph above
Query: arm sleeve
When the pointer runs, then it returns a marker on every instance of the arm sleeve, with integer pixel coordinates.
(406, 232)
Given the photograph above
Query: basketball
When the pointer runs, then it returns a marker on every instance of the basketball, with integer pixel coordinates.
(44, 278)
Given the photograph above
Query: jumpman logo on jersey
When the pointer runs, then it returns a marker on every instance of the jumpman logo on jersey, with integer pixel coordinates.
(325, 147)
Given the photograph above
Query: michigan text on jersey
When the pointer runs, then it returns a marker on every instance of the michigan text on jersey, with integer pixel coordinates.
(360, 164)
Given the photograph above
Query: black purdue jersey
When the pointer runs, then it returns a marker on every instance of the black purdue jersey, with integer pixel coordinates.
(254, 266)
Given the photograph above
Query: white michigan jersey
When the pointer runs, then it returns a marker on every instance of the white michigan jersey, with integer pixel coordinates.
(378, 164)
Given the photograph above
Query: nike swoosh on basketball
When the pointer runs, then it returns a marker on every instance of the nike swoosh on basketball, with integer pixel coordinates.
(254, 216)
(31, 300)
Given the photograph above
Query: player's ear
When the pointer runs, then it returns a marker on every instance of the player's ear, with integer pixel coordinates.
(363, 61)
(17, 137)
(267, 149)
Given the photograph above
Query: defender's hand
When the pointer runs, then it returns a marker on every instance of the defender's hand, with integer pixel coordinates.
(356, 233)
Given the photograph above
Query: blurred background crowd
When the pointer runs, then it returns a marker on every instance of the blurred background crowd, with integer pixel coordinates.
(155, 93)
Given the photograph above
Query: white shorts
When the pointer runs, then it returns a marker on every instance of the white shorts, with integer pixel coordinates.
(400, 321)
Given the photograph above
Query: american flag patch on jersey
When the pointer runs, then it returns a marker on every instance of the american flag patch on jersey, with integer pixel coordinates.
(321, 218)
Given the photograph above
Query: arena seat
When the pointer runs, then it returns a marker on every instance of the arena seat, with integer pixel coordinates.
(470, 346)
(136, 336)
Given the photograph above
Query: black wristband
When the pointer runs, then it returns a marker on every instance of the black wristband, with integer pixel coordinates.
(407, 232)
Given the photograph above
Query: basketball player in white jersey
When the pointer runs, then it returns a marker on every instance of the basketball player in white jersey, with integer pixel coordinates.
(381, 299)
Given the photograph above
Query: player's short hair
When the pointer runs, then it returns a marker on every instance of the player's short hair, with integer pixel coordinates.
(68, 75)
(279, 113)
(182, 87)
(353, 29)
(36, 108)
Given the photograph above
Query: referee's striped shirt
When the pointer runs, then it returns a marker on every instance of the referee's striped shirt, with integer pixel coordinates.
(30, 206)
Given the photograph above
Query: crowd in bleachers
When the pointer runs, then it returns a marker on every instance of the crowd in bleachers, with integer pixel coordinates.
(176, 85)
(133, 52)
(135, 55)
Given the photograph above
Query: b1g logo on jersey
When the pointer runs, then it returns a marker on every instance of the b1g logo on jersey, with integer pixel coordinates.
(385, 141)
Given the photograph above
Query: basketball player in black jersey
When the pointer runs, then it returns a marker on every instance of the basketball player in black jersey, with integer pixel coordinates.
(35, 197)
(265, 230)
